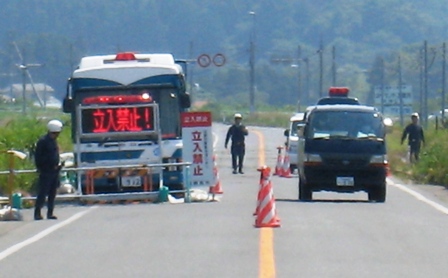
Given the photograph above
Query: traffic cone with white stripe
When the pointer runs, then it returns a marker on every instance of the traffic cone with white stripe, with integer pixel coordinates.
(279, 166)
(266, 211)
(286, 171)
(216, 189)
(257, 208)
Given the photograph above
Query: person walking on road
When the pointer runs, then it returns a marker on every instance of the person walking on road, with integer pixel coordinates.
(47, 163)
(416, 137)
(237, 133)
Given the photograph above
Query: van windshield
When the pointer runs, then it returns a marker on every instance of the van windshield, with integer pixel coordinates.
(345, 124)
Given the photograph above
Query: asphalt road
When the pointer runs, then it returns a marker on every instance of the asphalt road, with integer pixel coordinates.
(337, 235)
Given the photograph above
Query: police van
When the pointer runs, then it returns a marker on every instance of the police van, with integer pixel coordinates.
(342, 148)
(336, 95)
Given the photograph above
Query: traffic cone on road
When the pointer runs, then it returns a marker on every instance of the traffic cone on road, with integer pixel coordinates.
(257, 208)
(279, 166)
(286, 171)
(216, 189)
(266, 212)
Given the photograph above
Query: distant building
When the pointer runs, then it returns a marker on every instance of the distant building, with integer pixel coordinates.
(41, 93)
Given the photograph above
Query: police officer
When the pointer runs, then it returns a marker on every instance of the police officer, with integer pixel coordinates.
(415, 135)
(237, 133)
(47, 163)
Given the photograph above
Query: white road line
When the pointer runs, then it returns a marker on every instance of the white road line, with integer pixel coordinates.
(419, 197)
(11, 250)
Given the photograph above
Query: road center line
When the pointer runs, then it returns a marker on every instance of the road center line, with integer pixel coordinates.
(11, 250)
(419, 197)
(266, 255)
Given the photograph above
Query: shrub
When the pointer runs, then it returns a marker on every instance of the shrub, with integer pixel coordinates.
(21, 134)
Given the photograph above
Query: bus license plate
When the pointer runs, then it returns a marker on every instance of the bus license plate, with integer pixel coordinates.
(345, 181)
(134, 181)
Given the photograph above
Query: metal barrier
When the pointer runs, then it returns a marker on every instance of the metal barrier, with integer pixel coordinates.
(147, 193)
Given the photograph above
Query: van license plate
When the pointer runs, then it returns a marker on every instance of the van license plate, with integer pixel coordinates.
(345, 181)
(134, 181)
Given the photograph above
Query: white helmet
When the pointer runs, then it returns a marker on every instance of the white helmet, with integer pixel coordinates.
(54, 126)
(238, 116)
(415, 115)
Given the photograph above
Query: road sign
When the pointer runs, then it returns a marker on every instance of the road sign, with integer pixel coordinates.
(219, 60)
(204, 60)
(389, 97)
(198, 147)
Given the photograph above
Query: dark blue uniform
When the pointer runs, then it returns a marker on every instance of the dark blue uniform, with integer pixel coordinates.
(237, 134)
(415, 135)
(47, 163)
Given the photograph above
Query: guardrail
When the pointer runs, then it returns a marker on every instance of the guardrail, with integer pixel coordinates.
(129, 196)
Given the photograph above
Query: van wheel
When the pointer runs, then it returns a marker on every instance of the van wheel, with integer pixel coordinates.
(377, 194)
(305, 192)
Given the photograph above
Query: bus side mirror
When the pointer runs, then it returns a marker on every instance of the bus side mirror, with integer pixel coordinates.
(286, 132)
(185, 100)
(67, 105)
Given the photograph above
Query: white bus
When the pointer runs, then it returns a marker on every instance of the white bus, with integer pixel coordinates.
(125, 110)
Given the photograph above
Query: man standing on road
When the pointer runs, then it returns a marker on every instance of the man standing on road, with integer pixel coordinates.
(47, 163)
(237, 133)
(416, 137)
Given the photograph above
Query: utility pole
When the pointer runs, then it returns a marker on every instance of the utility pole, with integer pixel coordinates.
(252, 67)
(189, 72)
(297, 63)
(25, 73)
(425, 99)
(321, 67)
(421, 81)
(299, 77)
(307, 80)
(334, 64)
(23, 68)
(400, 93)
(382, 85)
(443, 81)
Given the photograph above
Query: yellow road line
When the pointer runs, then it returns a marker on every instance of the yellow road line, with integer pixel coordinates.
(266, 255)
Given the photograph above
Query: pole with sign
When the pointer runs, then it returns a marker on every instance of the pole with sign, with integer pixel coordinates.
(198, 147)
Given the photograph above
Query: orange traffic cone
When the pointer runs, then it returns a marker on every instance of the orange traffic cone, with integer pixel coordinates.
(257, 208)
(266, 212)
(279, 166)
(216, 189)
(286, 171)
